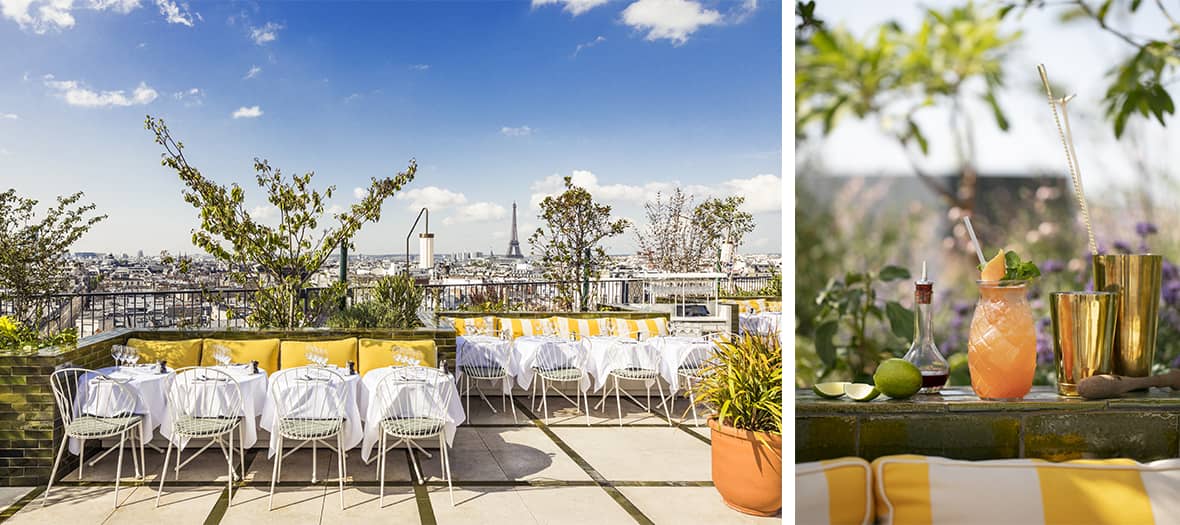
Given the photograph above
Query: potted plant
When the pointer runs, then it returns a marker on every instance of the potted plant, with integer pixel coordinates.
(743, 384)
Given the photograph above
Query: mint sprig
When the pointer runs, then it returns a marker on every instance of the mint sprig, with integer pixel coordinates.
(1017, 270)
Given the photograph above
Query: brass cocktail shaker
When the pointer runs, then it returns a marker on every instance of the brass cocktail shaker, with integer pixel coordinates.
(1137, 279)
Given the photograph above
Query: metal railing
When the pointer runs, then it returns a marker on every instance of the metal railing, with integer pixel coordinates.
(95, 312)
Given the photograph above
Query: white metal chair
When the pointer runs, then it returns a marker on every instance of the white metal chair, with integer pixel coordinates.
(632, 361)
(691, 369)
(561, 363)
(95, 406)
(309, 407)
(412, 409)
(204, 403)
(482, 362)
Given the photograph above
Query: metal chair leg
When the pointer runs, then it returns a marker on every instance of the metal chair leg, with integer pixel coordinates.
(119, 467)
(164, 471)
(274, 475)
(81, 457)
(667, 412)
(313, 461)
(53, 473)
(340, 464)
(618, 403)
(446, 461)
(229, 469)
(381, 471)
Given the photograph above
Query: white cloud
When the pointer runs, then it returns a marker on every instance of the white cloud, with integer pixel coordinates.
(269, 32)
(597, 40)
(248, 112)
(9, 116)
(359, 193)
(420, 67)
(141, 45)
(176, 13)
(263, 212)
(555, 184)
(42, 16)
(742, 12)
(76, 94)
(253, 72)
(190, 97)
(763, 193)
(673, 20)
(432, 197)
(352, 97)
(573, 7)
(477, 212)
(4, 152)
(522, 131)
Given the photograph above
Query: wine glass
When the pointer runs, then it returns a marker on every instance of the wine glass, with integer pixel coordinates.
(116, 354)
(133, 356)
(221, 354)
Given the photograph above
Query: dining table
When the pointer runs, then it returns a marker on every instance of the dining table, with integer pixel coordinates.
(418, 397)
(298, 394)
(253, 397)
(97, 397)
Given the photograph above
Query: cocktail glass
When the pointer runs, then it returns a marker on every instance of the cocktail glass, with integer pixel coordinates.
(1002, 348)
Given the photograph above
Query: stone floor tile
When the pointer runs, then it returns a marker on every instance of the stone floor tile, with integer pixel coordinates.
(641, 454)
(10, 495)
(291, 505)
(178, 506)
(360, 506)
(471, 461)
(573, 506)
(528, 454)
(72, 505)
(688, 506)
(480, 506)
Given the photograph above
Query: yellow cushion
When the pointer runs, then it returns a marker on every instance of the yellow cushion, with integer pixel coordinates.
(521, 327)
(933, 490)
(470, 325)
(744, 305)
(340, 352)
(834, 492)
(582, 327)
(774, 306)
(378, 353)
(265, 351)
(178, 354)
(648, 327)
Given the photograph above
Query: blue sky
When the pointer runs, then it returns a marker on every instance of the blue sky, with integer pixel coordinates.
(496, 101)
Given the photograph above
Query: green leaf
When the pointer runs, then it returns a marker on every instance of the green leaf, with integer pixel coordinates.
(918, 136)
(1004, 11)
(901, 319)
(997, 112)
(893, 273)
(824, 347)
(1102, 10)
(1011, 260)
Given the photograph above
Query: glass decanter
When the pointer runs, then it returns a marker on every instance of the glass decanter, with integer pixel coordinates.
(924, 353)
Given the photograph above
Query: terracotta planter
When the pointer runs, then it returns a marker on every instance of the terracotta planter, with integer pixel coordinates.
(747, 473)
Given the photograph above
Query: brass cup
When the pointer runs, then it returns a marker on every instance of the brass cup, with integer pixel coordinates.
(1083, 336)
(1137, 280)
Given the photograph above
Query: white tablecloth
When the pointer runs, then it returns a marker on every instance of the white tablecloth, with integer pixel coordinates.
(486, 351)
(253, 388)
(295, 390)
(373, 412)
(765, 323)
(673, 352)
(96, 398)
(610, 353)
(528, 349)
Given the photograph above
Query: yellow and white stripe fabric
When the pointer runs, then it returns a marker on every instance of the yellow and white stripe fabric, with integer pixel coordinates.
(522, 327)
(745, 305)
(648, 327)
(935, 491)
(834, 492)
(471, 325)
(583, 327)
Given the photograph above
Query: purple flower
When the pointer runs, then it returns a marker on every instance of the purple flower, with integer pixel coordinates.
(1052, 266)
(1044, 341)
(1122, 247)
(1143, 229)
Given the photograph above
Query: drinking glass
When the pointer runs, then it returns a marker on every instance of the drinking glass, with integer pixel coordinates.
(1002, 348)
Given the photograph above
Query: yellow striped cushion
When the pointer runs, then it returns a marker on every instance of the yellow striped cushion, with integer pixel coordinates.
(774, 306)
(582, 327)
(834, 492)
(744, 305)
(521, 327)
(649, 327)
(470, 325)
(932, 490)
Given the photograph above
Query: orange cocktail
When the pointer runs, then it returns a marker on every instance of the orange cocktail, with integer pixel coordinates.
(1002, 349)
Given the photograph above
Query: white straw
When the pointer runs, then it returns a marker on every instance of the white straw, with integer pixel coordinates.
(974, 240)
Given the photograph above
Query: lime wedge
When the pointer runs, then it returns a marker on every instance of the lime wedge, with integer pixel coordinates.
(861, 392)
(830, 390)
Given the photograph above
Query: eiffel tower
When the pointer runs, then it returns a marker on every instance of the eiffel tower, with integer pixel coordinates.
(514, 244)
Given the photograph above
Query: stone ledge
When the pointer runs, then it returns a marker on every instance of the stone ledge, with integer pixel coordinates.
(1144, 426)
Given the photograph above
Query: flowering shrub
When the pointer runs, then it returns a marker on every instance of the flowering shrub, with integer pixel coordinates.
(15, 336)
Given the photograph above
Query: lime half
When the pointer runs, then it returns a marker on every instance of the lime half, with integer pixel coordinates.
(861, 391)
(831, 390)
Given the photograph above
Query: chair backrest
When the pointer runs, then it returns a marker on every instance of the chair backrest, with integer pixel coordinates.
(204, 392)
(80, 391)
(552, 356)
(416, 393)
(308, 392)
(700, 354)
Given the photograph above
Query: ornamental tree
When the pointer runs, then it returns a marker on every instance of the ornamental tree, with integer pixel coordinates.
(569, 240)
(279, 261)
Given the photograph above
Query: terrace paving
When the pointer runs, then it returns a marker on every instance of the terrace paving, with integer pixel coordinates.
(503, 472)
